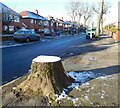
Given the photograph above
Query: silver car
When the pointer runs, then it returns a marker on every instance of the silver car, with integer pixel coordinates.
(26, 35)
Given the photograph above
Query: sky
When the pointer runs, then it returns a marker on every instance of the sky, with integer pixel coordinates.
(55, 8)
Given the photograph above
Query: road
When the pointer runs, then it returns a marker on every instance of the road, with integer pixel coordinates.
(16, 60)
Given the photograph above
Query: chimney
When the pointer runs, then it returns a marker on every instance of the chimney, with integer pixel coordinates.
(36, 11)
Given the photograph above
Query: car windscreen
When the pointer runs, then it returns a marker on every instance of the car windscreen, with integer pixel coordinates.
(93, 29)
(19, 32)
(27, 32)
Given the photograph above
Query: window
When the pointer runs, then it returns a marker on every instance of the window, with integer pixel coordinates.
(51, 23)
(16, 18)
(11, 28)
(32, 21)
(35, 21)
(46, 23)
(10, 17)
(57, 24)
(5, 28)
(66, 25)
(40, 22)
(5, 17)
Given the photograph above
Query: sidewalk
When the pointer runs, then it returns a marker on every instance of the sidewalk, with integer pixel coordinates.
(97, 71)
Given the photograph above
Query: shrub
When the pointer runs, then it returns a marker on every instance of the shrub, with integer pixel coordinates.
(113, 29)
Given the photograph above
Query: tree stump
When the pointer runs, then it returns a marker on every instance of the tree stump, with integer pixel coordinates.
(47, 78)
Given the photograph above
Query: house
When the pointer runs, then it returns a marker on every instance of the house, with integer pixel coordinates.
(53, 25)
(60, 24)
(10, 20)
(65, 26)
(33, 21)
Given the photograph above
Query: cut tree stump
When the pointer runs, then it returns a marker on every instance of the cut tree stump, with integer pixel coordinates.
(47, 78)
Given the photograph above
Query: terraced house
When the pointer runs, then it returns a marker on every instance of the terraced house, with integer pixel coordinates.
(10, 20)
(34, 21)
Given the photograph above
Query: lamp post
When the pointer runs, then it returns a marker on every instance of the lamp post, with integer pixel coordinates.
(109, 21)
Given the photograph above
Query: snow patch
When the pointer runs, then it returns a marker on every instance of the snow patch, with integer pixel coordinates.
(81, 76)
(59, 97)
(74, 85)
(108, 77)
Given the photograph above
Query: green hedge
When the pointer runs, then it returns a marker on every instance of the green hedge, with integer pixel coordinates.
(113, 29)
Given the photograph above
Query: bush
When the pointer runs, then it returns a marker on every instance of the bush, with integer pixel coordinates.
(113, 29)
(7, 32)
(106, 27)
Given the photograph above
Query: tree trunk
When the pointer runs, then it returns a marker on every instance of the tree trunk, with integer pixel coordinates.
(47, 78)
(85, 21)
(99, 18)
(101, 26)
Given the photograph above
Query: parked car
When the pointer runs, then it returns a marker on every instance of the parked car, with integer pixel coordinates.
(90, 33)
(26, 35)
(47, 32)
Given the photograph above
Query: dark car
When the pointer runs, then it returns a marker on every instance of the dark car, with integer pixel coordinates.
(26, 35)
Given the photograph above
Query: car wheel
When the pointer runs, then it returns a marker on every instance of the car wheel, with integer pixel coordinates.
(38, 38)
(27, 39)
(86, 37)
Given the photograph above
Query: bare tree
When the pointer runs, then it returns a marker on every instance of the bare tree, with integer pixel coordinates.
(100, 15)
(80, 11)
(101, 10)
(75, 11)
(72, 10)
(87, 12)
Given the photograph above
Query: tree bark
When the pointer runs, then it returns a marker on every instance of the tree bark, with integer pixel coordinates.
(47, 78)
(99, 18)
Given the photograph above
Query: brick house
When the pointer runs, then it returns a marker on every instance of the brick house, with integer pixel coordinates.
(60, 24)
(64, 25)
(33, 21)
(10, 19)
(53, 25)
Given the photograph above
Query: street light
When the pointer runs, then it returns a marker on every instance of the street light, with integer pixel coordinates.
(109, 21)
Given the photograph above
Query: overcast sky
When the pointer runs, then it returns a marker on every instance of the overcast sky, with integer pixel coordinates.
(55, 8)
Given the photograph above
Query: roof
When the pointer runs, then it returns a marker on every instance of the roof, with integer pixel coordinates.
(5, 9)
(63, 22)
(31, 15)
